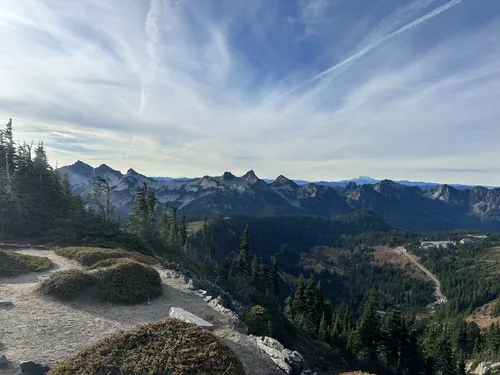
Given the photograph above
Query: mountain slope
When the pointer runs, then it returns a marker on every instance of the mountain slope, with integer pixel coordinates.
(440, 208)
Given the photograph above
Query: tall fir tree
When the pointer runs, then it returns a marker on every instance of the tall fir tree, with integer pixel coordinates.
(183, 234)
(368, 331)
(245, 256)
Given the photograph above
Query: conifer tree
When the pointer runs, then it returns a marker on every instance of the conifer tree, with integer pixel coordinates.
(369, 327)
(274, 278)
(324, 332)
(183, 235)
(245, 257)
(164, 224)
(174, 225)
(255, 268)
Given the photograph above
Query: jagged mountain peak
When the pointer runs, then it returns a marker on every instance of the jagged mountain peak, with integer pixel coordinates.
(103, 168)
(228, 176)
(284, 180)
(250, 176)
(351, 186)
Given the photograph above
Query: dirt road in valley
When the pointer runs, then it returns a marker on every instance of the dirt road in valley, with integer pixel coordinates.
(441, 298)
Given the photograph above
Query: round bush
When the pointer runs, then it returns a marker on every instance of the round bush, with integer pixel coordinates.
(67, 285)
(169, 346)
(128, 282)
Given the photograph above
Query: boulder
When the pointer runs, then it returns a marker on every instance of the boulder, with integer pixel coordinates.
(177, 312)
(32, 368)
(486, 368)
(290, 362)
(3, 360)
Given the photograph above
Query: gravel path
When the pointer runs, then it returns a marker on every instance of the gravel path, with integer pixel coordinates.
(440, 297)
(44, 330)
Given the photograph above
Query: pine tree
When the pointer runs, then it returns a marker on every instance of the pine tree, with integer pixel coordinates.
(299, 301)
(138, 220)
(274, 278)
(445, 363)
(324, 331)
(245, 257)
(174, 225)
(183, 235)
(255, 267)
(164, 224)
(369, 327)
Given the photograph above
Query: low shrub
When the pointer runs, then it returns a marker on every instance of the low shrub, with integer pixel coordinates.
(170, 346)
(88, 256)
(128, 282)
(67, 285)
(14, 264)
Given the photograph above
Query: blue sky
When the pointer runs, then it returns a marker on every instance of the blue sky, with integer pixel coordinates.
(318, 89)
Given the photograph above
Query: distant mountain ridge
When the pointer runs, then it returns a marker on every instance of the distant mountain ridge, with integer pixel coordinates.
(362, 180)
(440, 207)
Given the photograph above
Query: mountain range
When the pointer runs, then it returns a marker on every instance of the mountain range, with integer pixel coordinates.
(441, 207)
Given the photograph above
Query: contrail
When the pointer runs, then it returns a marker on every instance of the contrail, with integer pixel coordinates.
(366, 50)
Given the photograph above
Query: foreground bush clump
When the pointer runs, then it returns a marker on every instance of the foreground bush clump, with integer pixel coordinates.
(13, 264)
(88, 256)
(127, 282)
(169, 346)
(67, 285)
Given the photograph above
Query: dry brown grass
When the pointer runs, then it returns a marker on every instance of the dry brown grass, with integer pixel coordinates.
(88, 256)
(167, 347)
(385, 254)
(321, 258)
(14, 264)
(482, 317)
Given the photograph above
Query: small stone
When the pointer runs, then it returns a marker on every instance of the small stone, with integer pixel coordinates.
(32, 368)
(3, 360)
(6, 304)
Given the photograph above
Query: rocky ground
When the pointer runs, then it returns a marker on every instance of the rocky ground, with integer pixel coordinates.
(38, 329)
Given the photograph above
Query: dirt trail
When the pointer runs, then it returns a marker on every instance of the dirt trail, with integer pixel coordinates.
(44, 330)
(441, 298)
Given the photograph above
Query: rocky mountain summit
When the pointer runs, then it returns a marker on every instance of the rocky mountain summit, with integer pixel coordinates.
(440, 208)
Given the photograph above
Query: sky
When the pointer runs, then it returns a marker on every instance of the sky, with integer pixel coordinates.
(311, 89)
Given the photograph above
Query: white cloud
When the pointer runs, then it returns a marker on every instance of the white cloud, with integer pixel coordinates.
(193, 87)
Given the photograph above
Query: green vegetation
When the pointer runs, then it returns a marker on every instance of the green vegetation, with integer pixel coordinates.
(469, 274)
(89, 256)
(127, 282)
(13, 264)
(36, 202)
(169, 347)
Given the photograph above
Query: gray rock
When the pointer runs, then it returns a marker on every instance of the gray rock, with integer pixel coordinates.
(177, 312)
(32, 368)
(486, 368)
(6, 304)
(291, 362)
(3, 360)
